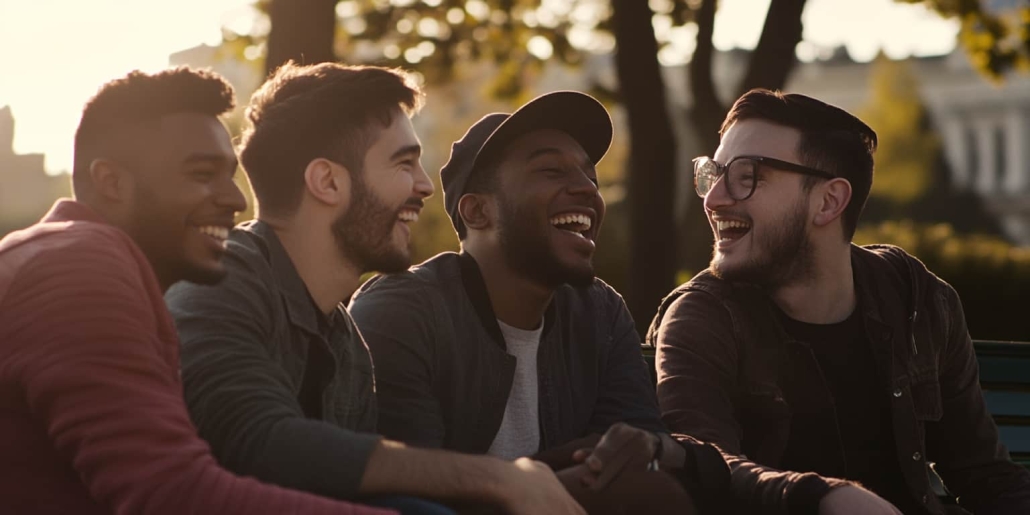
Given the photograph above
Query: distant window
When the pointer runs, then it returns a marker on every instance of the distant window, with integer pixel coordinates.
(972, 152)
(1000, 161)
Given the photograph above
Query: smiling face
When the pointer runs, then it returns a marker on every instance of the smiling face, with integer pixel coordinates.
(763, 239)
(550, 210)
(387, 196)
(183, 196)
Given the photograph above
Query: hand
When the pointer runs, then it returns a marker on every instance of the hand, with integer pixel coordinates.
(622, 447)
(534, 489)
(852, 500)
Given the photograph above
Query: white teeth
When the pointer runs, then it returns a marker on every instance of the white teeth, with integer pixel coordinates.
(730, 224)
(214, 231)
(572, 218)
(408, 216)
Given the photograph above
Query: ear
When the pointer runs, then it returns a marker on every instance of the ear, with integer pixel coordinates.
(477, 211)
(328, 182)
(835, 197)
(110, 181)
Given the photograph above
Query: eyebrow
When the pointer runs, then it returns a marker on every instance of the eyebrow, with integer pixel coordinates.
(541, 152)
(588, 166)
(212, 159)
(415, 149)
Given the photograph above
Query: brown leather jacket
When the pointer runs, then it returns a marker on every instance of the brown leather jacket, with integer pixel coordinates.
(719, 349)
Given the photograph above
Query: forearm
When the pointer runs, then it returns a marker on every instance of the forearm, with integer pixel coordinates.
(396, 469)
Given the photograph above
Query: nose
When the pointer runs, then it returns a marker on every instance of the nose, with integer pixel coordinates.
(423, 184)
(582, 184)
(230, 196)
(719, 196)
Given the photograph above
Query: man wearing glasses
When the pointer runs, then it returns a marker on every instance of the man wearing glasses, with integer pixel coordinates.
(829, 374)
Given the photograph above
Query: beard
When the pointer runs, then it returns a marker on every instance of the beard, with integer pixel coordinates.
(364, 234)
(529, 252)
(782, 256)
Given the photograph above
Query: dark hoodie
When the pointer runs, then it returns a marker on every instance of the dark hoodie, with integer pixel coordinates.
(721, 351)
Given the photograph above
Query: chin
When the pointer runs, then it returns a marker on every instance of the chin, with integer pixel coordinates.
(580, 276)
(391, 262)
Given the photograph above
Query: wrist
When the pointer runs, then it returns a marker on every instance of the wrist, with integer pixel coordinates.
(659, 451)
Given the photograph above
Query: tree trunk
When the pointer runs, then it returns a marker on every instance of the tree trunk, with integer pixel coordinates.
(651, 173)
(706, 115)
(769, 66)
(302, 30)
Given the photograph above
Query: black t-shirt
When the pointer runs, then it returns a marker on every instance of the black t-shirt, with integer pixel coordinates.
(860, 412)
(317, 369)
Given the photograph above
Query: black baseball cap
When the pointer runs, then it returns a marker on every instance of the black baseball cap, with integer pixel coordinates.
(577, 114)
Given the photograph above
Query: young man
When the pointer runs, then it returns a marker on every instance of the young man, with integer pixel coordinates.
(512, 347)
(830, 374)
(277, 377)
(93, 416)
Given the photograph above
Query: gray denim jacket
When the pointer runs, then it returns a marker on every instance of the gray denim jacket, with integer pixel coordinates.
(247, 344)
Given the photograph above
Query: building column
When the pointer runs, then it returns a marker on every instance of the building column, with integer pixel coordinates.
(987, 167)
(953, 131)
(1017, 139)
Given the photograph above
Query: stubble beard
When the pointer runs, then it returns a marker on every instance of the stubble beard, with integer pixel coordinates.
(528, 251)
(782, 257)
(364, 234)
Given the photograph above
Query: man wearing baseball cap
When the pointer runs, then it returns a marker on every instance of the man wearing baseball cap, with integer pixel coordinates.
(513, 347)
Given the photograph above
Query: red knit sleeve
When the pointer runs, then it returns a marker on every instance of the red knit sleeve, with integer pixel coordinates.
(82, 342)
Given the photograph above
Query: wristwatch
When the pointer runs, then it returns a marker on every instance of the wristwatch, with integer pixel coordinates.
(656, 458)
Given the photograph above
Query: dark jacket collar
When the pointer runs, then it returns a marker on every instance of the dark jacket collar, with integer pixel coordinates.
(300, 307)
(475, 288)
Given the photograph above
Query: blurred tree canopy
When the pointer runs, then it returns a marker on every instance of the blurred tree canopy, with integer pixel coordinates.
(434, 36)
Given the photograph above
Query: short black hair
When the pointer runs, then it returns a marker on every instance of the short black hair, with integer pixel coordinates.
(832, 140)
(327, 110)
(140, 97)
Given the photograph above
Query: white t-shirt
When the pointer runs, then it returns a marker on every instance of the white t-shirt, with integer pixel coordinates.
(519, 434)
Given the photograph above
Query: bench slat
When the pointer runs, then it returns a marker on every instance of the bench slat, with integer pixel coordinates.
(1015, 438)
(1005, 369)
(1013, 404)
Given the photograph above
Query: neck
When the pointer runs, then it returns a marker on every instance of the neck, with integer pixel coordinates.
(516, 300)
(827, 295)
(329, 278)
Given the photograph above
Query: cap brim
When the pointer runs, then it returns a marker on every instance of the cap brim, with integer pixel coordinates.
(577, 114)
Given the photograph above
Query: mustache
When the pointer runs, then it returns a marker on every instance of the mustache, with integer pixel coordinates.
(414, 202)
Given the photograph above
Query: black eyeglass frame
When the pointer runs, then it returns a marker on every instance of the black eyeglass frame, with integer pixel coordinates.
(777, 164)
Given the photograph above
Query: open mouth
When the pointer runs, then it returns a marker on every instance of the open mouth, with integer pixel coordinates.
(217, 233)
(731, 230)
(575, 223)
(408, 216)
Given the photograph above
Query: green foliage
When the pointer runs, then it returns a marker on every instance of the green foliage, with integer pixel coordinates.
(996, 42)
(908, 146)
(991, 276)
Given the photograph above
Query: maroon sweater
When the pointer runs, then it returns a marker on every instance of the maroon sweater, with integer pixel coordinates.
(92, 418)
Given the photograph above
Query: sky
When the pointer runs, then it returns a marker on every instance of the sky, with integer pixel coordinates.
(54, 54)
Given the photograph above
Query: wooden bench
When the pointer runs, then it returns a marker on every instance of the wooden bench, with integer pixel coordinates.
(1005, 379)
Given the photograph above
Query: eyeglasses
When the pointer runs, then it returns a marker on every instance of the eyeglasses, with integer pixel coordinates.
(741, 174)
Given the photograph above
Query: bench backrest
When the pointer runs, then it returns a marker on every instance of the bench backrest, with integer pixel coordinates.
(1005, 379)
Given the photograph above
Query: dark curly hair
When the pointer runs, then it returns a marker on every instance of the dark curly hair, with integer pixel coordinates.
(141, 97)
(327, 110)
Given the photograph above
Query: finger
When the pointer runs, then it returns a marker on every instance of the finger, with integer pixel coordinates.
(581, 455)
(610, 445)
(611, 470)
